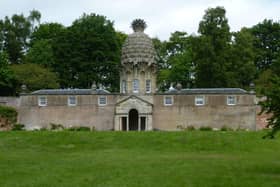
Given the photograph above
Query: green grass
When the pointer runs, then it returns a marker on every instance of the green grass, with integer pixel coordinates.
(131, 159)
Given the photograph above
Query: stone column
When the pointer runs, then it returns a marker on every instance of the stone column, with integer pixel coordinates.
(149, 123)
(117, 123)
(139, 123)
(146, 123)
(127, 125)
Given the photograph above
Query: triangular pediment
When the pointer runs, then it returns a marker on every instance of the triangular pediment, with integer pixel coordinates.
(133, 98)
(134, 102)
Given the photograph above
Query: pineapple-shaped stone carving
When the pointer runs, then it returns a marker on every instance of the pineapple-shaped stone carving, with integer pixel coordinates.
(138, 61)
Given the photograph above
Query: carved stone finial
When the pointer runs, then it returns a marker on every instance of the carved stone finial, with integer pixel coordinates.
(23, 88)
(179, 86)
(93, 86)
(252, 88)
(138, 25)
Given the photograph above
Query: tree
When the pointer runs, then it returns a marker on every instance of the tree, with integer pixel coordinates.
(121, 37)
(34, 17)
(7, 78)
(176, 63)
(47, 31)
(41, 53)
(41, 49)
(272, 106)
(35, 77)
(15, 34)
(266, 43)
(88, 51)
(211, 49)
(241, 71)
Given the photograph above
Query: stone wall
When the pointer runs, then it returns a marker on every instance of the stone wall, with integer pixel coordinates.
(10, 101)
(215, 113)
(87, 112)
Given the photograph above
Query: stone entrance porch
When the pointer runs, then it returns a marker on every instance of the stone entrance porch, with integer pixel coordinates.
(133, 114)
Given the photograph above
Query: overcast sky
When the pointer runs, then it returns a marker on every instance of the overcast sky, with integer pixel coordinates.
(162, 16)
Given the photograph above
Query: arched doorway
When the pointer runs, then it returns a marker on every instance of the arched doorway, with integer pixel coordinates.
(133, 120)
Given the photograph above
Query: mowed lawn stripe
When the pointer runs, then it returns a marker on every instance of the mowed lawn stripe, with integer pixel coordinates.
(193, 158)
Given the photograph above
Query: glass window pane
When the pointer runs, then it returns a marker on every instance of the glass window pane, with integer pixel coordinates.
(135, 85)
(199, 100)
(168, 100)
(72, 100)
(148, 86)
(102, 100)
(42, 101)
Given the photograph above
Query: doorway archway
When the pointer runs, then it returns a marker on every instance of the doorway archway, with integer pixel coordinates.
(133, 120)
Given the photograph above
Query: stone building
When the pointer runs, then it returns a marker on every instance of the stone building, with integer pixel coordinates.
(139, 106)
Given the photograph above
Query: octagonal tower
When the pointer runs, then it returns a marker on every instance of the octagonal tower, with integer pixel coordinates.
(138, 60)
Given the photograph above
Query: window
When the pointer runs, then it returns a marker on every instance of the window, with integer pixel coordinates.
(199, 100)
(148, 86)
(102, 100)
(135, 86)
(72, 100)
(231, 100)
(123, 86)
(168, 100)
(42, 101)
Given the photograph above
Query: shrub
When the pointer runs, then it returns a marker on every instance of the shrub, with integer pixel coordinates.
(43, 129)
(190, 128)
(225, 128)
(18, 127)
(8, 112)
(180, 127)
(80, 128)
(205, 128)
(55, 126)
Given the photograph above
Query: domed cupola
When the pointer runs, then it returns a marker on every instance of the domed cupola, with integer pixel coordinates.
(138, 47)
(138, 60)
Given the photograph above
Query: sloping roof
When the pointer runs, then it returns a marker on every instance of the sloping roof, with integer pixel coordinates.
(70, 92)
(208, 91)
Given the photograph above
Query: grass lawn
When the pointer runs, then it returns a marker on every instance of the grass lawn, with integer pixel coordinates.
(194, 158)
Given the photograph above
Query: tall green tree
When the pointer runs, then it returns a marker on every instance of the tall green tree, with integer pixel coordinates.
(176, 65)
(211, 49)
(34, 18)
(42, 53)
(15, 34)
(266, 43)
(7, 78)
(46, 31)
(88, 51)
(42, 43)
(17, 31)
(272, 106)
(241, 71)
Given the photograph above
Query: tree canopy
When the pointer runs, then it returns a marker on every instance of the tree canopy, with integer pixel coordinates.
(50, 55)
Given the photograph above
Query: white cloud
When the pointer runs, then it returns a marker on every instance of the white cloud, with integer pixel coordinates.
(162, 16)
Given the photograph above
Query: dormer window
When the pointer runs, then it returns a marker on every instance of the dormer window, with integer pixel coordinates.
(135, 86)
